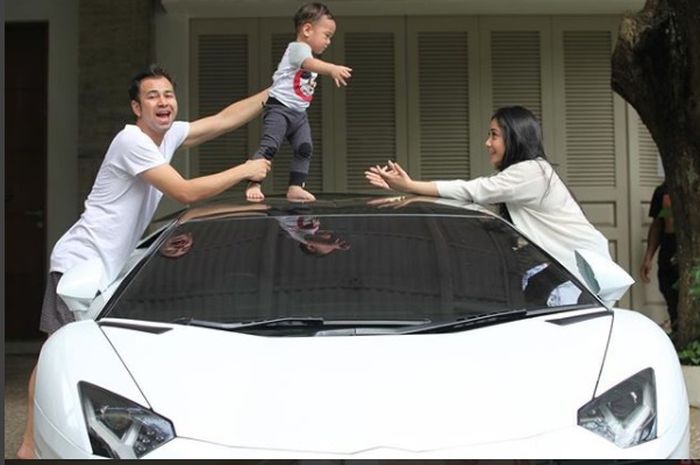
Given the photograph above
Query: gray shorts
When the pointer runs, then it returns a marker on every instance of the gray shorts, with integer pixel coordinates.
(54, 312)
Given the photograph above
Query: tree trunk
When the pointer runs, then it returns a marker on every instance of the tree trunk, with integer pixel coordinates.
(656, 68)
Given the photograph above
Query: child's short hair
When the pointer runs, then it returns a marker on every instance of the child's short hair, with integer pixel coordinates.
(310, 13)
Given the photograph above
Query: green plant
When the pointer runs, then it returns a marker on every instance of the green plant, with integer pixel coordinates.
(690, 355)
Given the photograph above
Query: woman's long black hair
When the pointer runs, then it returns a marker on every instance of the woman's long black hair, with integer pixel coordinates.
(522, 135)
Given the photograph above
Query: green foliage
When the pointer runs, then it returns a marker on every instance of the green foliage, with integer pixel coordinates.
(690, 355)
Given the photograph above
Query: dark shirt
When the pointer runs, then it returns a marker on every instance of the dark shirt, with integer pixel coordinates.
(667, 242)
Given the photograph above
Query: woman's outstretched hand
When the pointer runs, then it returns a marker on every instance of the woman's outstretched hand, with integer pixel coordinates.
(390, 176)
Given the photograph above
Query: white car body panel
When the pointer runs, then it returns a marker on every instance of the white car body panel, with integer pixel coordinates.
(568, 443)
(636, 343)
(94, 360)
(311, 398)
(359, 393)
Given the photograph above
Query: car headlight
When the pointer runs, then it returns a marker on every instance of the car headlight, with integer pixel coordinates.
(120, 428)
(625, 414)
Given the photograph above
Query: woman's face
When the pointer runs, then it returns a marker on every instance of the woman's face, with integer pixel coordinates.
(495, 144)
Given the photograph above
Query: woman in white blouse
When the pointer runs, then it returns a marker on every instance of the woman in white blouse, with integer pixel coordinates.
(532, 195)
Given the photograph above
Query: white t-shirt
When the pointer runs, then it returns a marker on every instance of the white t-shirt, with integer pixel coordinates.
(292, 85)
(540, 206)
(120, 204)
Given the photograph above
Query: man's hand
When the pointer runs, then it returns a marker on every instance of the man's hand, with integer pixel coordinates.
(645, 271)
(339, 74)
(256, 170)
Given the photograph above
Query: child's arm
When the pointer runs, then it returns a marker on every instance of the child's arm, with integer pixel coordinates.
(339, 73)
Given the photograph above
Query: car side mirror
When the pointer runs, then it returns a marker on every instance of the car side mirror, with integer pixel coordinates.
(603, 276)
(79, 286)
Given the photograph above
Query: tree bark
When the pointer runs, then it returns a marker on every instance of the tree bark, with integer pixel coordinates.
(656, 68)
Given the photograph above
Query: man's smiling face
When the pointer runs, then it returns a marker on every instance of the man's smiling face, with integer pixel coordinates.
(156, 107)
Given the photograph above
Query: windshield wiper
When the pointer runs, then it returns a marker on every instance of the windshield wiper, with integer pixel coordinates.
(459, 323)
(283, 321)
(299, 321)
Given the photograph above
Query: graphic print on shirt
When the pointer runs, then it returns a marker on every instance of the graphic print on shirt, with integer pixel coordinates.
(304, 84)
(666, 214)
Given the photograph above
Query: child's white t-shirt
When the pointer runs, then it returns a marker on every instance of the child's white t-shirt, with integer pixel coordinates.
(292, 85)
(120, 205)
(299, 228)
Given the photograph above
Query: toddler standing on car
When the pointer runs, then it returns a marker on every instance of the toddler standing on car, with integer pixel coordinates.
(284, 116)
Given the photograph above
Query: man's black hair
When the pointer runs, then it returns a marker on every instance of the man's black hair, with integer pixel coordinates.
(152, 71)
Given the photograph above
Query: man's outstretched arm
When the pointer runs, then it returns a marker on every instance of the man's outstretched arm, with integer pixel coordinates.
(166, 179)
(233, 116)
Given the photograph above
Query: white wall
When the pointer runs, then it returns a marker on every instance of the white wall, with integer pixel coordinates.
(62, 156)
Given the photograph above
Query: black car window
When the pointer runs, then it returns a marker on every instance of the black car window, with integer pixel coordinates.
(383, 267)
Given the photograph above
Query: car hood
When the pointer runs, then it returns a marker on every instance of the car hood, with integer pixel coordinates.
(345, 394)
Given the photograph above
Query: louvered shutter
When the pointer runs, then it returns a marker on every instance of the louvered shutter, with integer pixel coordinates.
(443, 104)
(222, 78)
(283, 158)
(515, 70)
(648, 158)
(590, 125)
(370, 120)
(590, 129)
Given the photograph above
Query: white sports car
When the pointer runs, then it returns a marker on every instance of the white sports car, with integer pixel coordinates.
(354, 328)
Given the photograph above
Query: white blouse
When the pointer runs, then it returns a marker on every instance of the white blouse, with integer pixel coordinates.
(540, 206)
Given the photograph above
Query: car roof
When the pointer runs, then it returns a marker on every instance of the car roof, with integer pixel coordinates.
(330, 204)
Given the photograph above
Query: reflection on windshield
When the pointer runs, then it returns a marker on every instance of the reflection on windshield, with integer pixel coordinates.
(177, 245)
(390, 267)
(306, 230)
(541, 284)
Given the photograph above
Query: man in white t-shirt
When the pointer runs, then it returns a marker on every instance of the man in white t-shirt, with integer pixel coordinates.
(291, 94)
(133, 177)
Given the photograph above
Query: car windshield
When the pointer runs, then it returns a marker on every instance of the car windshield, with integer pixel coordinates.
(376, 267)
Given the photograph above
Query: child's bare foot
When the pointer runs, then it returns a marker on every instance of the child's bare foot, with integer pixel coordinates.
(298, 193)
(25, 452)
(253, 192)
